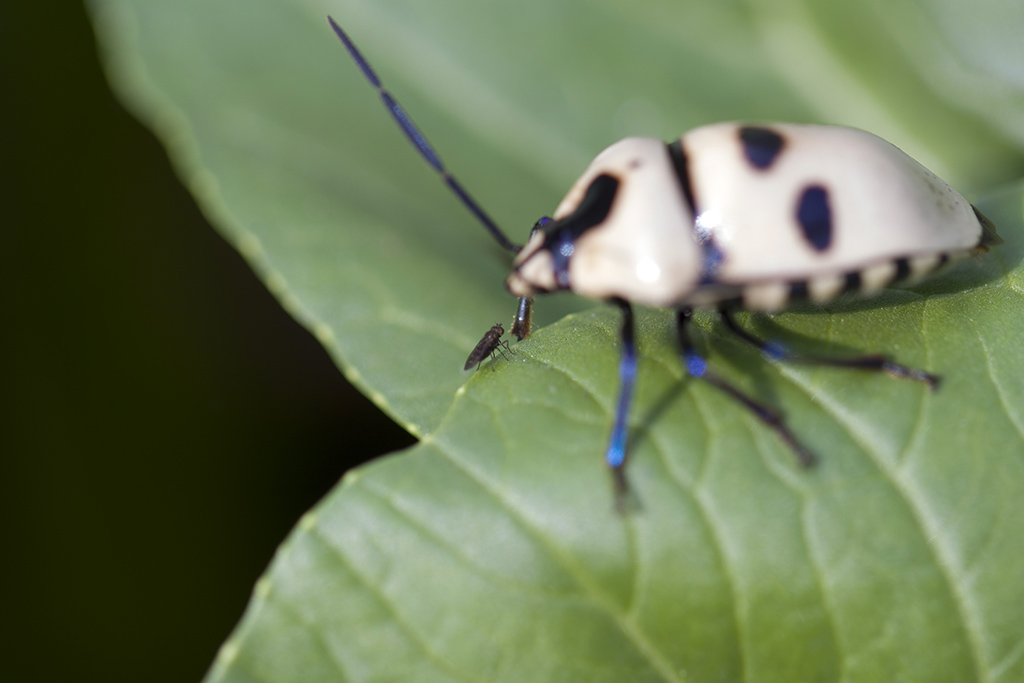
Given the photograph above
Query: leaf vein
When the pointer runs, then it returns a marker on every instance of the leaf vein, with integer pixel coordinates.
(917, 507)
(389, 605)
(626, 626)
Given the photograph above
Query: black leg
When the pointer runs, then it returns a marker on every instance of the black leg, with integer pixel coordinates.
(876, 362)
(616, 455)
(696, 366)
(522, 323)
(501, 348)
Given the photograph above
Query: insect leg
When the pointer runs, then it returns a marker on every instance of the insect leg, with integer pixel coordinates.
(696, 366)
(616, 456)
(523, 321)
(501, 347)
(875, 362)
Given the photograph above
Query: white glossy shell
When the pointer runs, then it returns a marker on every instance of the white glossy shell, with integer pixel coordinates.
(884, 206)
(643, 251)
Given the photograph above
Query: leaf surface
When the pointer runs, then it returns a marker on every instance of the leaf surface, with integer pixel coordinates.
(491, 551)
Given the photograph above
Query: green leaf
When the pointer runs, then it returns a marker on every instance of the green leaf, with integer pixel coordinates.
(491, 551)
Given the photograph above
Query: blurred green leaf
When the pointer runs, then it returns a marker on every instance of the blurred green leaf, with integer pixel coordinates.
(491, 550)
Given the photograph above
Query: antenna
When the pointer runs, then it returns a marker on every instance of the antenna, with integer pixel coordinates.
(417, 138)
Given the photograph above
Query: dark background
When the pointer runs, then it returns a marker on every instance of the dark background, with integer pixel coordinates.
(164, 422)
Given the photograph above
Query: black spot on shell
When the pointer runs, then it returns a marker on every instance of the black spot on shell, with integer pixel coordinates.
(852, 282)
(591, 212)
(798, 291)
(560, 236)
(682, 169)
(902, 270)
(761, 146)
(814, 216)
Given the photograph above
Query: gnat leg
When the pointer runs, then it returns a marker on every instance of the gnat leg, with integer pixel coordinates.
(875, 362)
(696, 366)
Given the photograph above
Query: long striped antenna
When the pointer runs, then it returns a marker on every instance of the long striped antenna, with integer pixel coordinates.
(420, 141)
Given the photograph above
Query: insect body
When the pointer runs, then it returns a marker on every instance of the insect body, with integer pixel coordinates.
(488, 346)
(750, 215)
(731, 216)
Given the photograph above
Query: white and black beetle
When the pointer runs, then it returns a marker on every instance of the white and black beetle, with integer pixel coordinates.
(731, 216)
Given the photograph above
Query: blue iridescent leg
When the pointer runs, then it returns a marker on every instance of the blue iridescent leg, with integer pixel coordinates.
(616, 456)
(696, 366)
(876, 362)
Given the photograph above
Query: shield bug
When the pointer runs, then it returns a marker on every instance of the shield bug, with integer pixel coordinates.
(731, 216)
